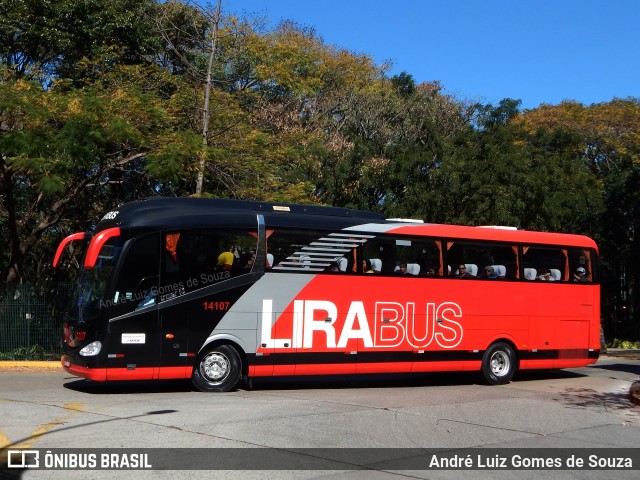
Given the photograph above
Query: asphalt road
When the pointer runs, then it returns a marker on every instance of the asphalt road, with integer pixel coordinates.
(574, 409)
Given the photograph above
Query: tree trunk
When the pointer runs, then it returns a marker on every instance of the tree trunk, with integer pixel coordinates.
(207, 96)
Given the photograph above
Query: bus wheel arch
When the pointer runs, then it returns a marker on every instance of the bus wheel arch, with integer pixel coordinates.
(218, 367)
(499, 362)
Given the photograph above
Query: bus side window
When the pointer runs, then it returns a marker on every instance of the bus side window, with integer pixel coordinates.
(581, 267)
(485, 260)
(549, 262)
(194, 259)
(171, 251)
(389, 254)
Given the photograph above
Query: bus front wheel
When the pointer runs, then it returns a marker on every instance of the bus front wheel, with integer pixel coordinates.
(218, 369)
(499, 364)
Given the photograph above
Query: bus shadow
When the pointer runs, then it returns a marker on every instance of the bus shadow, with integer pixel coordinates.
(620, 367)
(315, 382)
(534, 375)
(125, 387)
(406, 380)
(318, 382)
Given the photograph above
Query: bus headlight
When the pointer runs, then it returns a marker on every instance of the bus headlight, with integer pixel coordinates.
(92, 349)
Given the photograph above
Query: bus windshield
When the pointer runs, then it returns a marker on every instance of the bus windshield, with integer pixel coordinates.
(93, 283)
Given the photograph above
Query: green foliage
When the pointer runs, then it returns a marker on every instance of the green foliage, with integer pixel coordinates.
(39, 38)
(608, 131)
(171, 160)
(404, 84)
(493, 118)
(34, 352)
(500, 175)
(624, 344)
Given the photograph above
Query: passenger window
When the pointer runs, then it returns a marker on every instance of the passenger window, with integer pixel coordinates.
(484, 260)
(400, 255)
(582, 265)
(545, 263)
(195, 259)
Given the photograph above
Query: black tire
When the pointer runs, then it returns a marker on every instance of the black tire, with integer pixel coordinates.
(218, 369)
(499, 364)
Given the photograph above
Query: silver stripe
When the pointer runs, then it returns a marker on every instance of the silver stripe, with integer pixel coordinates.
(332, 247)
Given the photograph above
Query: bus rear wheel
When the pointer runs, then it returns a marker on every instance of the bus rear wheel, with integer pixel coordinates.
(218, 369)
(499, 364)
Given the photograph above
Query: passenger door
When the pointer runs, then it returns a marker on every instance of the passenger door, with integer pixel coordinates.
(132, 340)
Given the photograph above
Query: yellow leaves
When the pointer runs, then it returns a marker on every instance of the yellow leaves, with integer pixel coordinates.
(617, 116)
(296, 60)
(609, 128)
(24, 105)
(258, 138)
(74, 107)
(377, 165)
(344, 68)
(22, 86)
(568, 114)
(132, 105)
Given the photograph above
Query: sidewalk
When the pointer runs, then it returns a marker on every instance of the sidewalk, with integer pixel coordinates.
(622, 352)
(29, 365)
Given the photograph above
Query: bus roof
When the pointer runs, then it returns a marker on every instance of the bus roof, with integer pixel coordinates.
(170, 213)
(166, 212)
(495, 234)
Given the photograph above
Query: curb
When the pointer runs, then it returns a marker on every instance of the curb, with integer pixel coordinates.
(35, 364)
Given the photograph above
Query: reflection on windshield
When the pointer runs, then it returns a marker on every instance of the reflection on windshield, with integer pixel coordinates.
(93, 282)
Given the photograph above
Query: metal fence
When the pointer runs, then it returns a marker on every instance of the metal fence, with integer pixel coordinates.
(31, 322)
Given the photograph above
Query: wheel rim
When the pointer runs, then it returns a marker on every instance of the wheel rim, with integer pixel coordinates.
(500, 364)
(215, 367)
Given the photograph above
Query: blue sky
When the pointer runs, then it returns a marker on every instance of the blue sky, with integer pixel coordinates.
(542, 51)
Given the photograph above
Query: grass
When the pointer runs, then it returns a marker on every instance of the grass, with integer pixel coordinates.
(625, 344)
(35, 352)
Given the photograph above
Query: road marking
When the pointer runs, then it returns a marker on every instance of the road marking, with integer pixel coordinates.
(28, 442)
(4, 441)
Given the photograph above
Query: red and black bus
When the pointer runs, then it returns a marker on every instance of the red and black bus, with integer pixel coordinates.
(217, 290)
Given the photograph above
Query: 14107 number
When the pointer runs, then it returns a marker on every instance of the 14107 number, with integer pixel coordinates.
(216, 305)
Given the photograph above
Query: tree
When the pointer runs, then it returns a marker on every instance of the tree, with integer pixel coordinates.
(387, 143)
(609, 143)
(497, 174)
(286, 82)
(609, 130)
(40, 39)
(63, 150)
(182, 31)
